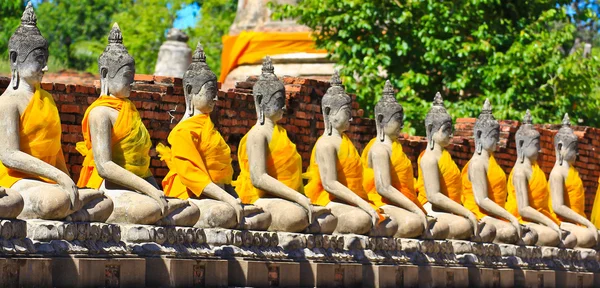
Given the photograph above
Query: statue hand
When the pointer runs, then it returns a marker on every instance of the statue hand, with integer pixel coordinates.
(517, 226)
(594, 232)
(374, 217)
(161, 200)
(475, 225)
(239, 212)
(69, 186)
(2, 191)
(305, 203)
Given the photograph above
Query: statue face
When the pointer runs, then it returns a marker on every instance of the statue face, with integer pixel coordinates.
(33, 67)
(532, 150)
(394, 126)
(490, 142)
(569, 153)
(443, 135)
(275, 108)
(340, 120)
(120, 85)
(206, 98)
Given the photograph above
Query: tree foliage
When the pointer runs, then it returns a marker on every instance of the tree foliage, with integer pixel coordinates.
(517, 53)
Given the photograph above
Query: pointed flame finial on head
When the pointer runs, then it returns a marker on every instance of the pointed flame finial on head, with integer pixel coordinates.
(115, 36)
(527, 119)
(267, 65)
(438, 100)
(335, 79)
(29, 18)
(388, 91)
(566, 120)
(199, 55)
(487, 107)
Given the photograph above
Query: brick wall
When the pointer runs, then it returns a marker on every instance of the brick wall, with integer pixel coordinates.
(161, 104)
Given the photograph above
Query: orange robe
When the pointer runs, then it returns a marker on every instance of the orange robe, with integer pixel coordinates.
(130, 142)
(450, 179)
(595, 216)
(39, 136)
(496, 186)
(283, 163)
(198, 156)
(401, 174)
(574, 193)
(538, 194)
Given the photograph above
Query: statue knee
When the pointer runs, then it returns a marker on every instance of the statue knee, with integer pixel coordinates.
(487, 232)
(11, 205)
(358, 222)
(459, 228)
(292, 218)
(506, 233)
(51, 204)
(326, 223)
(409, 227)
(585, 239)
(219, 215)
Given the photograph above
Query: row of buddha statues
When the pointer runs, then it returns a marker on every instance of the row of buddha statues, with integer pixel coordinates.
(373, 194)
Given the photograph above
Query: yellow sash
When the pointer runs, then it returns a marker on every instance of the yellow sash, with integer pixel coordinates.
(198, 156)
(537, 193)
(283, 163)
(450, 181)
(496, 185)
(595, 216)
(401, 174)
(39, 136)
(130, 142)
(574, 193)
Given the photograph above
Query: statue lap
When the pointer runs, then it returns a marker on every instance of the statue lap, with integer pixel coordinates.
(286, 216)
(214, 214)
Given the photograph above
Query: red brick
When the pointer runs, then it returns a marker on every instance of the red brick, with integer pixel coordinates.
(48, 86)
(68, 108)
(144, 78)
(60, 87)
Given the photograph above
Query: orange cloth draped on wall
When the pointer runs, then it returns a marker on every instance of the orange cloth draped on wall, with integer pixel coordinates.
(496, 186)
(130, 142)
(595, 216)
(39, 136)
(450, 179)
(538, 194)
(198, 156)
(251, 47)
(401, 173)
(283, 163)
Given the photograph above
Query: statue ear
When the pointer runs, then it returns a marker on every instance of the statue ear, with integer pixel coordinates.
(560, 156)
(259, 99)
(188, 88)
(430, 136)
(328, 125)
(479, 145)
(103, 72)
(13, 57)
(520, 153)
(380, 128)
(261, 113)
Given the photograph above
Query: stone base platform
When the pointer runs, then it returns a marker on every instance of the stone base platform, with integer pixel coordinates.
(63, 254)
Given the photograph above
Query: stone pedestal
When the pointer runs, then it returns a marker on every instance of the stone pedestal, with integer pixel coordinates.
(535, 278)
(98, 272)
(437, 276)
(380, 276)
(172, 272)
(25, 272)
(247, 273)
(489, 277)
(331, 274)
(574, 279)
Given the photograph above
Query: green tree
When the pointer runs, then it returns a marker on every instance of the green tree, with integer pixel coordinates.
(10, 17)
(215, 18)
(517, 53)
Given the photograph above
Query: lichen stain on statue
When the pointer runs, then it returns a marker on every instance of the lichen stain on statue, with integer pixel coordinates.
(439, 181)
(388, 174)
(33, 163)
(527, 178)
(116, 146)
(484, 184)
(335, 171)
(199, 160)
(567, 192)
(271, 168)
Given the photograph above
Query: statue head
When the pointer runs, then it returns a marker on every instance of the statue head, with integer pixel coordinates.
(269, 94)
(336, 106)
(486, 130)
(116, 66)
(565, 142)
(28, 51)
(200, 85)
(389, 114)
(438, 123)
(528, 140)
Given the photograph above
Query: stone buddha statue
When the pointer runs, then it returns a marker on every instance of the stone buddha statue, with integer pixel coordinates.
(116, 146)
(336, 173)
(33, 163)
(567, 193)
(528, 195)
(199, 159)
(271, 168)
(388, 174)
(440, 184)
(484, 184)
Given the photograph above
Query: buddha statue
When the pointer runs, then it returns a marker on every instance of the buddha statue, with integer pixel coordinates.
(31, 155)
(388, 174)
(271, 168)
(484, 184)
(439, 183)
(528, 195)
(335, 172)
(199, 159)
(116, 146)
(567, 193)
